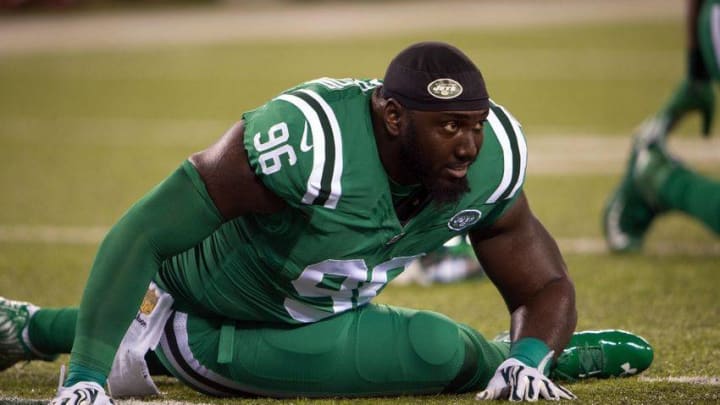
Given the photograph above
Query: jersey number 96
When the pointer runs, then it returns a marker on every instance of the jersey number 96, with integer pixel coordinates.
(274, 147)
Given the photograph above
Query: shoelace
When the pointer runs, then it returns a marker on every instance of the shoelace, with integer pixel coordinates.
(591, 361)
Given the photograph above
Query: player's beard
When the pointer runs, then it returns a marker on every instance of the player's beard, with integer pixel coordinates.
(415, 159)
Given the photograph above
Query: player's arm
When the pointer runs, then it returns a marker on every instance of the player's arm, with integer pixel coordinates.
(211, 187)
(229, 179)
(695, 92)
(524, 262)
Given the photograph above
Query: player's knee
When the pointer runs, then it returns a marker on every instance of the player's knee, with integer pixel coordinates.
(456, 350)
(419, 350)
(435, 339)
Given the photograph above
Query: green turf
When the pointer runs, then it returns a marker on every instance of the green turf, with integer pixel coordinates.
(84, 134)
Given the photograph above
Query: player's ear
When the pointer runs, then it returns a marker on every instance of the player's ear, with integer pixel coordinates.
(393, 115)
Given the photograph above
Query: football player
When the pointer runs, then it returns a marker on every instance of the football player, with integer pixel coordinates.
(264, 251)
(654, 182)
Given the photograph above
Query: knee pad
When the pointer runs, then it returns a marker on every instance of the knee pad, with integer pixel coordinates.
(417, 348)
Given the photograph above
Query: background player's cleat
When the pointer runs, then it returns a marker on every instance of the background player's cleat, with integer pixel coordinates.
(628, 214)
(603, 354)
(653, 165)
(14, 342)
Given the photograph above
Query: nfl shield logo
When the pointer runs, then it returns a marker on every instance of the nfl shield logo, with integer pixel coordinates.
(464, 219)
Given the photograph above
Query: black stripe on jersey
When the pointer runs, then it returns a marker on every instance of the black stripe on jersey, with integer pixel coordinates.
(326, 179)
(189, 370)
(512, 137)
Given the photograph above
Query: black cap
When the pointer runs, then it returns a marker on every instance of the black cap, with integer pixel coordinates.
(435, 76)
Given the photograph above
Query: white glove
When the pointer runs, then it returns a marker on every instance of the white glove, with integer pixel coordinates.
(82, 393)
(516, 381)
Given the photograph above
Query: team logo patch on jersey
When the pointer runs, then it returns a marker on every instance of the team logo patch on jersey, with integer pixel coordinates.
(149, 302)
(464, 219)
(444, 89)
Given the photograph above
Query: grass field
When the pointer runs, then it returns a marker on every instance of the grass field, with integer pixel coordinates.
(84, 133)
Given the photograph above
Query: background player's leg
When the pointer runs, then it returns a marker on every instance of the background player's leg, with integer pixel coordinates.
(709, 37)
(693, 194)
(376, 350)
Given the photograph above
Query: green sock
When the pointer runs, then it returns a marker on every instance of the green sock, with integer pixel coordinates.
(78, 373)
(693, 194)
(52, 331)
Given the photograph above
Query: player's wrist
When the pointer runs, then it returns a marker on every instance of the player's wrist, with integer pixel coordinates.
(530, 351)
(696, 69)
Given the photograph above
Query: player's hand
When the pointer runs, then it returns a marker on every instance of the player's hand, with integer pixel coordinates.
(689, 96)
(85, 393)
(516, 381)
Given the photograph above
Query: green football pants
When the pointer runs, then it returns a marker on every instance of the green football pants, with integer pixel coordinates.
(376, 350)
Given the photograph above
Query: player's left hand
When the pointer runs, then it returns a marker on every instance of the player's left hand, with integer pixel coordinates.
(516, 381)
(689, 96)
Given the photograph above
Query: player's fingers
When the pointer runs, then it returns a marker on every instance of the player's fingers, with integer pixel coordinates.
(484, 395)
(519, 389)
(565, 393)
(548, 391)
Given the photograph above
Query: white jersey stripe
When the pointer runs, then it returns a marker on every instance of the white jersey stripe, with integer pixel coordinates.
(318, 137)
(502, 138)
(522, 148)
(336, 186)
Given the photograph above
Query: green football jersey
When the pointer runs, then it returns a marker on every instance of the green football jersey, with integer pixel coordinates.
(339, 241)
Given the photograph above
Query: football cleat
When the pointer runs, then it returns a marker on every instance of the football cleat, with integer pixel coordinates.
(15, 343)
(603, 354)
(631, 208)
(653, 166)
(82, 393)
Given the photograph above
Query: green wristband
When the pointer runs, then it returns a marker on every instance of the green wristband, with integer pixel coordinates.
(530, 351)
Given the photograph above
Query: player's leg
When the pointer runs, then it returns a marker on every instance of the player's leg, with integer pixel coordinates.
(376, 350)
(627, 215)
(709, 36)
(667, 184)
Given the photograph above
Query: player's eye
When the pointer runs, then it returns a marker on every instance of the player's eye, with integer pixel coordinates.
(450, 126)
(479, 126)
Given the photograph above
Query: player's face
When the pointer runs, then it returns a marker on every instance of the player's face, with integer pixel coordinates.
(439, 148)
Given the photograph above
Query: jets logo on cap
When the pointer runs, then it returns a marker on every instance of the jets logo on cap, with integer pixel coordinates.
(464, 219)
(444, 89)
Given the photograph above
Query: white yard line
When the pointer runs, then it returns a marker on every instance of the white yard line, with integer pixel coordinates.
(595, 154)
(291, 21)
(700, 380)
(548, 154)
(23, 401)
(72, 235)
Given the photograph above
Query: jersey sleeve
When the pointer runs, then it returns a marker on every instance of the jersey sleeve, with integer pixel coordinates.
(294, 146)
(511, 154)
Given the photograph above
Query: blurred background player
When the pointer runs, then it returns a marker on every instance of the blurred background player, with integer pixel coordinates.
(654, 182)
(455, 261)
